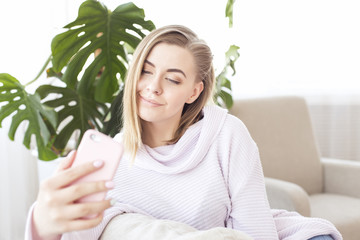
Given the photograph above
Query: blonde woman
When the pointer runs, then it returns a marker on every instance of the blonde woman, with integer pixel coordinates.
(186, 160)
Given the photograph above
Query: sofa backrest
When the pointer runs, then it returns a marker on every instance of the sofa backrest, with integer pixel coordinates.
(282, 129)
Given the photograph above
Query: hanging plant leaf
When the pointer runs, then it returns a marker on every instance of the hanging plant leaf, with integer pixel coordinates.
(27, 107)
(229, 11)
(75, 113)
(222, 96)
(98, 28)
(231, 56)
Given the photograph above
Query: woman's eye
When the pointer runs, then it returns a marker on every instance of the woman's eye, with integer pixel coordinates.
(145, 72)
(173, 81)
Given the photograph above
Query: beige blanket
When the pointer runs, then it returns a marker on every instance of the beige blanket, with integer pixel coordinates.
(133, 226)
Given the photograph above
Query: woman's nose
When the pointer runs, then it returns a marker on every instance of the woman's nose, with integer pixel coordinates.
(154, 86)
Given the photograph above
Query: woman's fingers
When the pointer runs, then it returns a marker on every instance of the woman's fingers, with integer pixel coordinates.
(76, 191)
(67, 161)
(66, 177)
(53, 213)
(81, 224)
(89, 210)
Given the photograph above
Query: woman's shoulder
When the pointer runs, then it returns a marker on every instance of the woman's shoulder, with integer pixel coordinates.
(229, 126)
(235, 121)
(236, 131)
(214, 110)
(225, 120)
(234, 124)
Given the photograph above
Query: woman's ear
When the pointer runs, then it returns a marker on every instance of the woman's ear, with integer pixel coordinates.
(198, 88)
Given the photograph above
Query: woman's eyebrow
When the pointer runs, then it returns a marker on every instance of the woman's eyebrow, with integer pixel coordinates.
(176, 70)
(150, 63)
(169, 70)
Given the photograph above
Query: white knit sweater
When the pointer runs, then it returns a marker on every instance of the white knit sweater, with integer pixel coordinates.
(212, 177)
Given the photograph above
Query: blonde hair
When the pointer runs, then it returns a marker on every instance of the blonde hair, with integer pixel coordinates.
(174, 35)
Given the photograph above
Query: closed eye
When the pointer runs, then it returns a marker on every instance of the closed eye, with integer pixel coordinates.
(173, 81)
(145, 72)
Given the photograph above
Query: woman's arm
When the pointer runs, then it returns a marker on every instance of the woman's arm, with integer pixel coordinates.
(250, 210)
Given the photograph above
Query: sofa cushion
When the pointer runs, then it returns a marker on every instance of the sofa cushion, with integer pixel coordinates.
(342, 211)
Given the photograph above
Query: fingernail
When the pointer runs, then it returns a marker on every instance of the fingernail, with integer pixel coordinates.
(110, 184)
(98, 163)
(112, 202)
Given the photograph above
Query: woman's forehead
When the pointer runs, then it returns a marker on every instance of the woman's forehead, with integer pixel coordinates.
(165, 55)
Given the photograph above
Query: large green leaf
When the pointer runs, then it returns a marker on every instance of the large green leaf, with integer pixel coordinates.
(113, 118)
(75, 112)
(98, 28)
(27, 107)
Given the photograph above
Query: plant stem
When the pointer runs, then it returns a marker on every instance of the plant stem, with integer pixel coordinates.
(41, 71)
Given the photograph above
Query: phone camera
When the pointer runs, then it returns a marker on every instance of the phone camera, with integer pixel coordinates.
(95, 138)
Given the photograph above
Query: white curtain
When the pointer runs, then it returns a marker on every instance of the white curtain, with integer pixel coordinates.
(18, 184)
(336, 122)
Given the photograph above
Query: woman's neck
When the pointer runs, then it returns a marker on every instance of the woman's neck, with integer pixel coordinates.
(157, 134)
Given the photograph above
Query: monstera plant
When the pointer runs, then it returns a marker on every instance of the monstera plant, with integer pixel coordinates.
(87, 69)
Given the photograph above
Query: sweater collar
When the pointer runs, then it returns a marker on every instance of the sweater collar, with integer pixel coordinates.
(191, 148)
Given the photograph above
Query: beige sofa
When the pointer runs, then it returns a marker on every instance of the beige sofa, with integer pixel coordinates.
(297, 178)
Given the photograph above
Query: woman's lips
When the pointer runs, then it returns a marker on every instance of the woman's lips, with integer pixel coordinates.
(150, 102)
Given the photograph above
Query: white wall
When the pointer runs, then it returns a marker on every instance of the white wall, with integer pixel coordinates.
(305, 47)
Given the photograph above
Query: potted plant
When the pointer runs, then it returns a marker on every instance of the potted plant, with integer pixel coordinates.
(88, 66)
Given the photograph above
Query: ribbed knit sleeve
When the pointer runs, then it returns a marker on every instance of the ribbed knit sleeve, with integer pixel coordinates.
(293, 226)
(250, 211)
(88, 234)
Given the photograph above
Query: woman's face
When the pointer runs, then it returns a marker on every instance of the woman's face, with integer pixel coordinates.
(167, 82)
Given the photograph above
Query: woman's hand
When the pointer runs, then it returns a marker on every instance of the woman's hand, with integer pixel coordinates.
(56, 211)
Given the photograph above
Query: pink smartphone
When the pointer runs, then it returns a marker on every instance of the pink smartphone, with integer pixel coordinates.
(98, 146)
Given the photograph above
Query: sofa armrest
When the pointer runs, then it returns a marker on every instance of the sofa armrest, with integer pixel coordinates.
(286, 195)
(341, 177)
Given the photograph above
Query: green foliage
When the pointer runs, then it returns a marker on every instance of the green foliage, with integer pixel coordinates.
(96, 28)
(112, 121)
(223, 95)
(229, 11)
(27, 107)
(75, 112)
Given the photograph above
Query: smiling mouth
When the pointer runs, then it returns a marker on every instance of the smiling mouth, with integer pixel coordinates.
(150, 102)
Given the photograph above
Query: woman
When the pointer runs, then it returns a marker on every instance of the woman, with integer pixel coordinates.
(185, 161)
